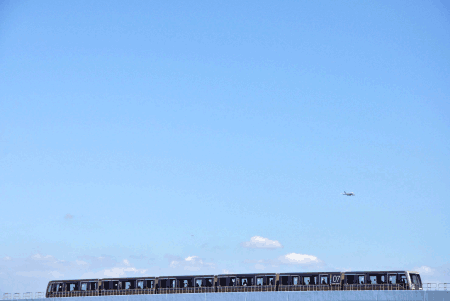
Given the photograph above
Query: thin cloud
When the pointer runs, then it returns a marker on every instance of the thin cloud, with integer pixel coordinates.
(68, 216)
(33, 273)
(139, 257)
(191, 263)
(259, 242)
(122, 271)
(259, 266)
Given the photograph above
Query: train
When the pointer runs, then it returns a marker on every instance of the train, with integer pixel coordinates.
(224, 283)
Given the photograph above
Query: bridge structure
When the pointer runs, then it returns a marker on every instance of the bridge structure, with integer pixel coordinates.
(431, 292)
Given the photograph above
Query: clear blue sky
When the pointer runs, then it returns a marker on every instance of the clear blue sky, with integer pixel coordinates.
(168, 138)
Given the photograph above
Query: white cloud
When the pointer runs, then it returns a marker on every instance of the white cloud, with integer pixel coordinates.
(295, 258)
(126, 262)
(7, 258)
(258, 242)
(424, 270)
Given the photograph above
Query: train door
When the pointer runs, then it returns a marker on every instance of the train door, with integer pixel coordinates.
(392, 280)
(149, 284)
(173, 283)
(403, 280)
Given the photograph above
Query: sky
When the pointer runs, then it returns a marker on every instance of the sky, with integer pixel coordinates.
(208, 137)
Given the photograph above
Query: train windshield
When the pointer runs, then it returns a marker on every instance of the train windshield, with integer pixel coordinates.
(415, 279)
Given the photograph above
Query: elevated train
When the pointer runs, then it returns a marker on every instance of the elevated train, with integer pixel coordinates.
(318, 281)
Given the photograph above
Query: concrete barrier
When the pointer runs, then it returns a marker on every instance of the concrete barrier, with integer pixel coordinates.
(277, 296)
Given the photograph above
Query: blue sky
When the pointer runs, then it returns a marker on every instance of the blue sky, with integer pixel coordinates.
(169, 138)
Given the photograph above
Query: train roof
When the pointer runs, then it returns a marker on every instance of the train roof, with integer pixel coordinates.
(232, 275)
(365, 272)
(73, 280)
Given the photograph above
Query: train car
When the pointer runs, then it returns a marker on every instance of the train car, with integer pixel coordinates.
(319, 281)
(382, 280)
(261, 282)
(246, 282)
(72, 288)
(127, 286)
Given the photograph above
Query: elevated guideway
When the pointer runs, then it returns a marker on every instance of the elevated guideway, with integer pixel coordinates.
(276, 296)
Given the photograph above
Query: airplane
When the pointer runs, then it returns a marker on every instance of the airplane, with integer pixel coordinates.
(348, 193)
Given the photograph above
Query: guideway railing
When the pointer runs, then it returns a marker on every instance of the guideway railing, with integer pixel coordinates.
(230, 289)
(28, 295)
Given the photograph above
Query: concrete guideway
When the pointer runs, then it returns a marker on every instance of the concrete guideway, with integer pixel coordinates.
(276, 296)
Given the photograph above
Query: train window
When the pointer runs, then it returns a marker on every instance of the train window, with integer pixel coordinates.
(49, 288)
(402, 278)
(140, 284)
(376, 279)
(198, 282)
(184, 283)
(350, 279)
(295, 280)
(173, 283)
(209, 282)
(360, 279)
(72, 287)
(392, 279)
(222, 281)
(270, 282)
(233, 281)
(108, 285)
(259, 281)
(84, 286)
(247, 281)
(163, 283)
(323, 280)
(306, 280)
(57, 287)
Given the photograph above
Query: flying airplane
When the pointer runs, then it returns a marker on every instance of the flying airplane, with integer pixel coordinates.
(348, 193)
